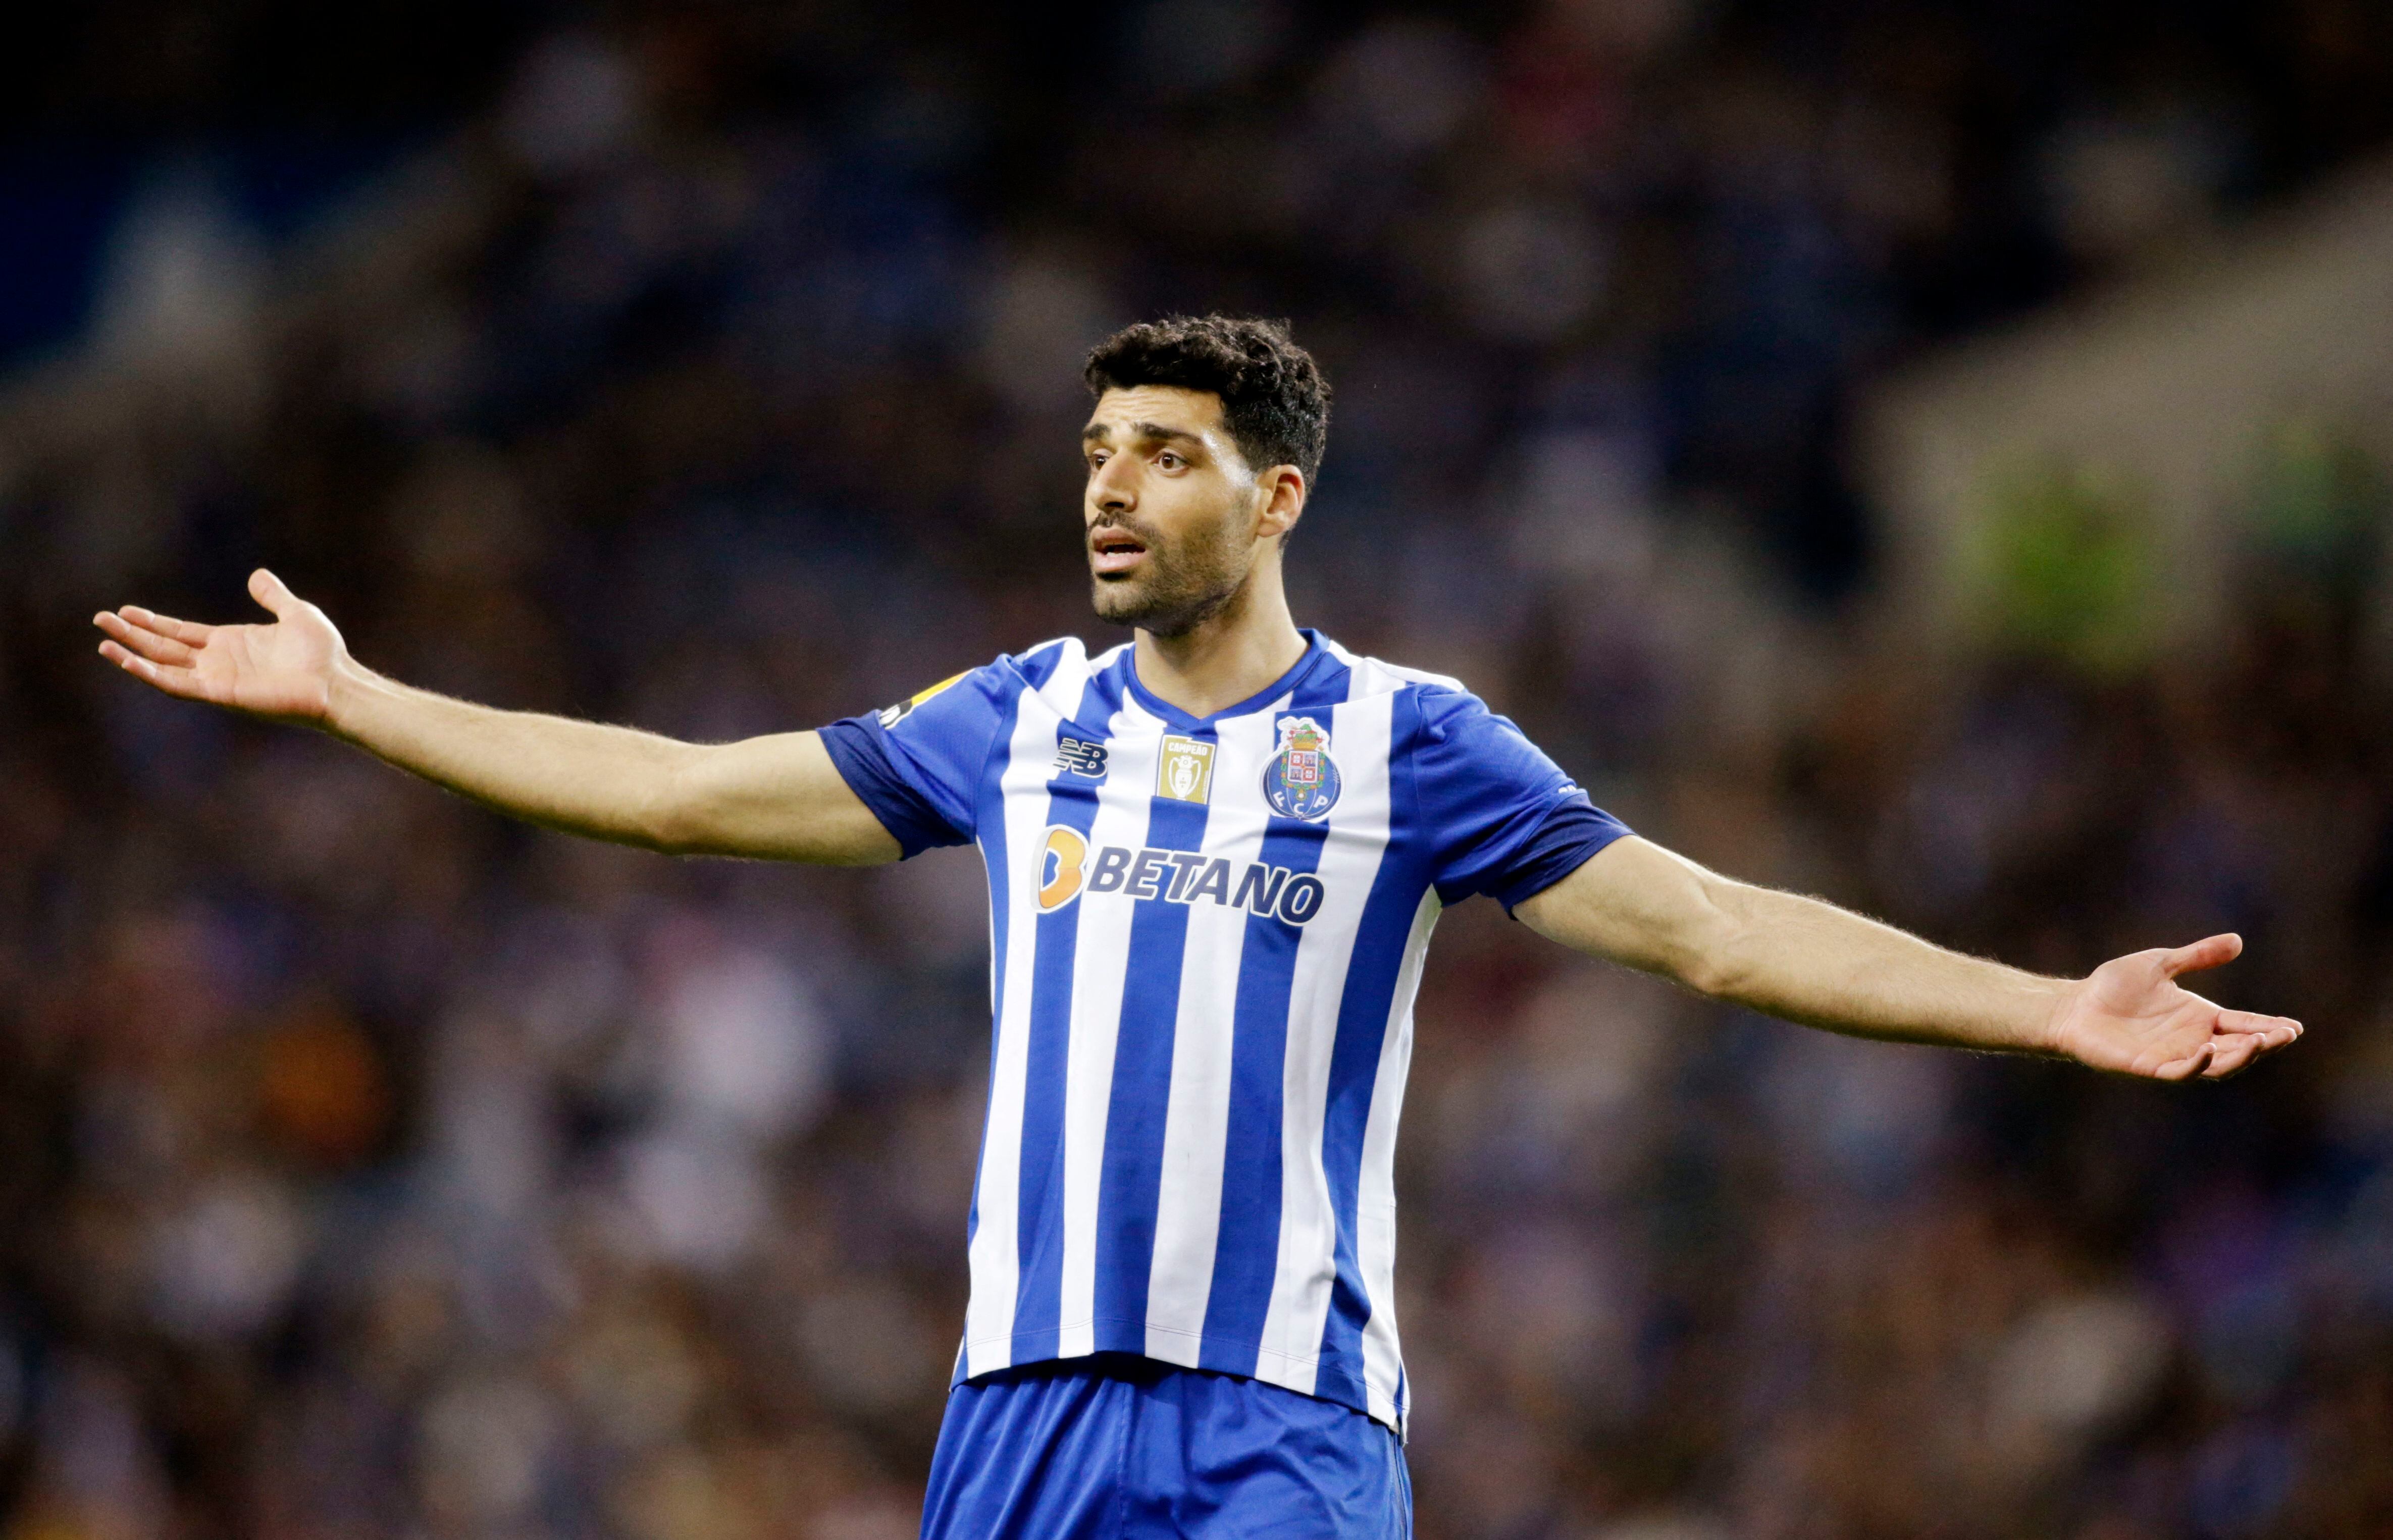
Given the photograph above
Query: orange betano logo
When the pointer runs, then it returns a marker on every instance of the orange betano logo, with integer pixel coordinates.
(1060, 866)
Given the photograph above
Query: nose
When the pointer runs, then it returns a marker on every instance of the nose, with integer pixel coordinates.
(1113, 488)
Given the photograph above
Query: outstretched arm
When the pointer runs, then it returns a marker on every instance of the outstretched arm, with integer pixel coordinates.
(1811, 962)
(779, 797)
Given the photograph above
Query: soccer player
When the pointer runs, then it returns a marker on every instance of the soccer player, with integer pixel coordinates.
(1215, 855)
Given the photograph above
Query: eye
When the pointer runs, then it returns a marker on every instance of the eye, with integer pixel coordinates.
(1169, 461)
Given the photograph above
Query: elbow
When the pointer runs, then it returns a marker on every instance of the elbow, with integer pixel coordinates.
(1706, 973)
(663, 838)
(669, 821)
(1711, 958)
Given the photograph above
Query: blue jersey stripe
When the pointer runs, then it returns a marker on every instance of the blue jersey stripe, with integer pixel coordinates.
(1132, 1182)
(1246, 1258)
(1370, 990)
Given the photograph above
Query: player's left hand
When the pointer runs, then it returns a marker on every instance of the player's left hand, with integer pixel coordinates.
(2131, 1016)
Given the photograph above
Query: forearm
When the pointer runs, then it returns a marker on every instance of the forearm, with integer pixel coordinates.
(776, 797)
(611, 783)
(1638, 903)
(1788, 956)
(1811, 962)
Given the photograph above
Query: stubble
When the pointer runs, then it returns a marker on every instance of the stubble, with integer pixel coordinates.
(1182, 587)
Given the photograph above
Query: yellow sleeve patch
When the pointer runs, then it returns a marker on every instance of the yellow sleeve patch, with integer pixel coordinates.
(917, 699)
(892, 715)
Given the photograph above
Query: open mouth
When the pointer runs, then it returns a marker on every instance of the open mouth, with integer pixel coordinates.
(1114, 552)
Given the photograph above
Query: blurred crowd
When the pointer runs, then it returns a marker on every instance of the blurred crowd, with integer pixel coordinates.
(368, 1166)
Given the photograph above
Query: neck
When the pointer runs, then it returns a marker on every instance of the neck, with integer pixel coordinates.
(1229, 657)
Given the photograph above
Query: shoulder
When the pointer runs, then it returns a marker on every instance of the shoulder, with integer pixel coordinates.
(1058, 656)
(1059, 672)
(1438, 700)
(1456, 745)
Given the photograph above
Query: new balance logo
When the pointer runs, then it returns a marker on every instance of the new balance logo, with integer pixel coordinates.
(1076, 757)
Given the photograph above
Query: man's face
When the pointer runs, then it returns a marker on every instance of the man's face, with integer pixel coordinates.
(1171, 508)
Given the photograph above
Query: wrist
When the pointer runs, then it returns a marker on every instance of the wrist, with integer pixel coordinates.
(2049, 1034)
(347, 685)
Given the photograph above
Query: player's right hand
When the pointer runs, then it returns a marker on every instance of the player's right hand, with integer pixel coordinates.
(284, 670)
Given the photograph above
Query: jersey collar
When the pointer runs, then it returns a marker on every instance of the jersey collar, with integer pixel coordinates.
(1315, 649)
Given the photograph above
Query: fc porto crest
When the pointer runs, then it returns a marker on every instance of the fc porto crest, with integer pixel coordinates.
(1302, 780)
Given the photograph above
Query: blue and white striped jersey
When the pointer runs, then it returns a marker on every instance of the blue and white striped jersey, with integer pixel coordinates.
(1206, 936)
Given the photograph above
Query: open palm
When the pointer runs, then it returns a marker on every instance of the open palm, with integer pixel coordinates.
(282, 670)
(2132, 1017)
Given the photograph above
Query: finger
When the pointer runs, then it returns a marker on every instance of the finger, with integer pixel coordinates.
(2230, 1056)
(180, 681)
(2209, 952)
(139, 619)
(2185, 1068)
(2229, 1070)
(149, 644)
(166, 625)
(267, 590)
(2275, 1031)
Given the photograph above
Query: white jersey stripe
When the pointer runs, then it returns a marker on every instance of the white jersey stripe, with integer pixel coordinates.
(1358, 831)
(996, 1242)
(1376, 1206)
(1100, 968)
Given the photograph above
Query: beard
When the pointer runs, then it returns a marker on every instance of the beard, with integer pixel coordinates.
(1180, 586)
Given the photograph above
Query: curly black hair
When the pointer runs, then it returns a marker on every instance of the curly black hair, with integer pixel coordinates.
(1274, 402)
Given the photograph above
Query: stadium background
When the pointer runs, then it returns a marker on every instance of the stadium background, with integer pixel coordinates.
(368, 1166)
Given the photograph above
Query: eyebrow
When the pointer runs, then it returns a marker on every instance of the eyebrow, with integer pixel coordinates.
(1095, 431)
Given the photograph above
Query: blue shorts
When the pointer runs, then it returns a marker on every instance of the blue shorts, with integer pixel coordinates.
(1118, 1447)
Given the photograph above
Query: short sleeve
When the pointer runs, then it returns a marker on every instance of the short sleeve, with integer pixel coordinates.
(1501, 818)
(918, 764)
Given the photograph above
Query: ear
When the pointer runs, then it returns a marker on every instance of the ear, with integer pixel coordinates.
(1283, 490)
